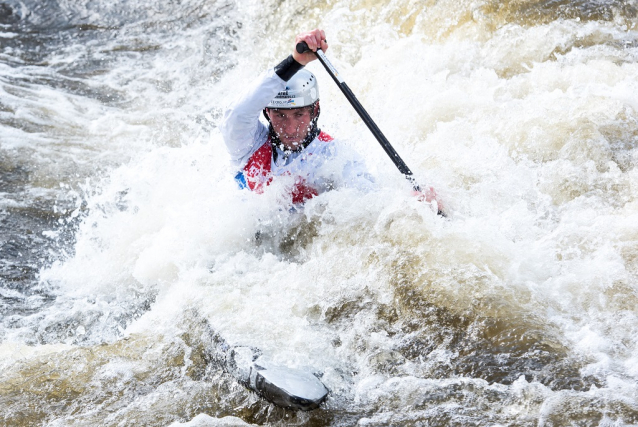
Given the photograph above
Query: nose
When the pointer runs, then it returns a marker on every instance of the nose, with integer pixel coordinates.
(290, 126)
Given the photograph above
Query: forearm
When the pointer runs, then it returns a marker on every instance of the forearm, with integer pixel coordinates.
(241, 129)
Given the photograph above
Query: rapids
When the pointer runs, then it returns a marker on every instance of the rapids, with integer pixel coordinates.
(127, 251)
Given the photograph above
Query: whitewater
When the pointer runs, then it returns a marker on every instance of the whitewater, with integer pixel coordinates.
(127, 252)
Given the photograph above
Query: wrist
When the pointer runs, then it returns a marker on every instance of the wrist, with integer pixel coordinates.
(288, 68)
(301, 58)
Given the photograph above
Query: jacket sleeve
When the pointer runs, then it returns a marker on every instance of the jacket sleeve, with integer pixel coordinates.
(241, 128)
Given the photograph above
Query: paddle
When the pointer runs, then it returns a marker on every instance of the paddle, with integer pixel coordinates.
(302, 47)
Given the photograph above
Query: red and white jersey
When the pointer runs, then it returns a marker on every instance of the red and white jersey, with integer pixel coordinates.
(247, 141)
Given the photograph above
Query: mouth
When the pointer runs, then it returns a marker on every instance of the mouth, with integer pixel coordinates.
(294, 139)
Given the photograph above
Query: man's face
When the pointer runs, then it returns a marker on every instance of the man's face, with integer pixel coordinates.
(291, 126)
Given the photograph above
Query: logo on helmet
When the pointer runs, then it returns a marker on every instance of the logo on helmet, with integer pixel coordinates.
(285, 102)
(300, 91)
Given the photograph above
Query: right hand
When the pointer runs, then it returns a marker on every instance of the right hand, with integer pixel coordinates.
(314, 39)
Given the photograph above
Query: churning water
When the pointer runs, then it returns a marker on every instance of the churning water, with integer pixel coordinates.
(126, 249)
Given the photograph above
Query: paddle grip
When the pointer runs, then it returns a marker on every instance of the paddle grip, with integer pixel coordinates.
(302, 47)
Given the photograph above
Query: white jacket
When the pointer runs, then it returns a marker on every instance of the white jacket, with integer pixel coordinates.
(244, 133)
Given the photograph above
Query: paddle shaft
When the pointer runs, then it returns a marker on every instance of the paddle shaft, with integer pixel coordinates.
(394, 156)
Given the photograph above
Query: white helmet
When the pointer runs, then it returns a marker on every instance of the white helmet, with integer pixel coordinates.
(301, 90)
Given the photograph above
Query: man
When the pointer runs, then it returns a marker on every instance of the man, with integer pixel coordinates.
(291, 144)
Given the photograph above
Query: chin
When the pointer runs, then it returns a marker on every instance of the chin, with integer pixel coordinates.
(292, 144)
